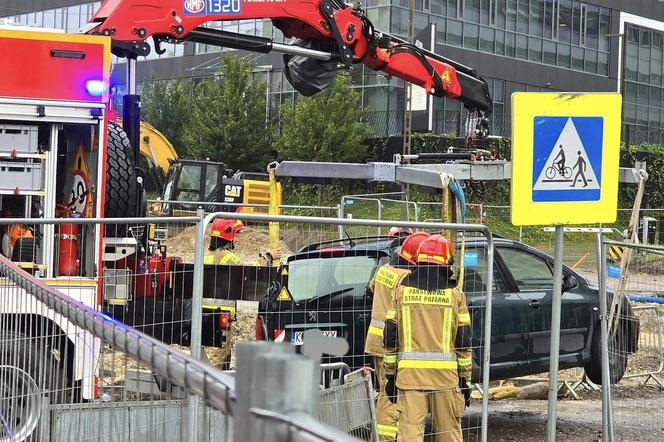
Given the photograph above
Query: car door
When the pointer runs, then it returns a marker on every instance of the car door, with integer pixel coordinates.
(534, 280)
(533, 275)
(509, 314)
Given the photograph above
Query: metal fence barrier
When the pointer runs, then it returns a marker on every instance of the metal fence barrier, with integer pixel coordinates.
(72, 369)
(631, 339)
(350, 407)
(649, 360)
(318, 238)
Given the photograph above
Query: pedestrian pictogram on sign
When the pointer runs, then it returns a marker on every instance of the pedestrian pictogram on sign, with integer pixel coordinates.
(566, 153)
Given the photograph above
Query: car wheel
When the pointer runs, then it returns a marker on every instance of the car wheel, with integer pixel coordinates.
(617, 357)
(28, 371)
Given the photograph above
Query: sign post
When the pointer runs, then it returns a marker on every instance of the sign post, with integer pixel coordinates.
(565, 158)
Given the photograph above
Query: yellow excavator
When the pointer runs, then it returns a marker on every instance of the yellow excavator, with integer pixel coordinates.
(181, 183)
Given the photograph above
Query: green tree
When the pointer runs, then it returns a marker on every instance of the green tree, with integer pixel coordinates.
(227, 118)
(165, 105)
(328, 126)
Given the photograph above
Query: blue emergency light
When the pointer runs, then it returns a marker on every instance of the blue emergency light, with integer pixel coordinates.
(96, 88)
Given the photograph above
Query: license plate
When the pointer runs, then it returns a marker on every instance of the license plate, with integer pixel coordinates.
(298, 336)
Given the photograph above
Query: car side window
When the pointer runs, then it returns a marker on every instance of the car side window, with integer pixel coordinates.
(475, 272)
(529, 271)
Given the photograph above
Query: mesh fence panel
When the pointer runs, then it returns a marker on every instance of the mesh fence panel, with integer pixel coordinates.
(322, 284)
(635, 340)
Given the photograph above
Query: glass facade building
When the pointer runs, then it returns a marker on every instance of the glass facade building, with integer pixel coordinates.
(517, 45)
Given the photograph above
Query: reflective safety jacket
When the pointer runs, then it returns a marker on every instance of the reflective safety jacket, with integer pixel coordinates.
(429, 333)
(18, 231)
(223, 257)
(383, 286)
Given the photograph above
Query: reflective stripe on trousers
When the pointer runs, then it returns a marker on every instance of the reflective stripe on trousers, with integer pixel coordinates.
(387, 430)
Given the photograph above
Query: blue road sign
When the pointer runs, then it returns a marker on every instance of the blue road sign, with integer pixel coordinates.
(567, 158)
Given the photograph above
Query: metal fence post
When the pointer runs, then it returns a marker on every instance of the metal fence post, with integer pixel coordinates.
(248, 374)
(284, 389)
(380, 214)
(554, 354)
(607, 421)
(486, 361)
(340, 215)
(196, 316)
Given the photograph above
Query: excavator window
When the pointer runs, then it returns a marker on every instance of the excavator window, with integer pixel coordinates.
(189, 183)
(211, 182)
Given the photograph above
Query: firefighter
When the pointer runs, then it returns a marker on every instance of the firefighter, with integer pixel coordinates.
(222, 242)
(399, 232)
(13, 233)
(428, 327)
(382, 287)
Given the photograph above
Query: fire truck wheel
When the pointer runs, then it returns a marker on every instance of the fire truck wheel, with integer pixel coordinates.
(120, 175)
(28, 371)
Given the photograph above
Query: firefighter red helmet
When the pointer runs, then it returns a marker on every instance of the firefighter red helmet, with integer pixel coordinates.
(410, 245)
(436, 249)
(226, 228)
(396, 232)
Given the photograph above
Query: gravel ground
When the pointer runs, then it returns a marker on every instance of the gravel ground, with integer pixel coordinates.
(637, 417)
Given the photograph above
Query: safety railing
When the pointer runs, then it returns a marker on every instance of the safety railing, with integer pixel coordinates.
(212, 206)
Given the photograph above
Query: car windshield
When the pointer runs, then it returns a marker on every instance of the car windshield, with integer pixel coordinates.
(316, 277)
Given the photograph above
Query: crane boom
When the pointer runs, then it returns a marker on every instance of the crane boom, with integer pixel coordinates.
(339, 33)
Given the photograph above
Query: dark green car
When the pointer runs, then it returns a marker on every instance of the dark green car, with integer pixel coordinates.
(521, 315)
(327, 284)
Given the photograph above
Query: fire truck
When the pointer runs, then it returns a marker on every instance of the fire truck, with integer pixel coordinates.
(62, 156)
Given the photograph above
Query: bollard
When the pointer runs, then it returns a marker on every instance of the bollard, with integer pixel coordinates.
(283, 389)
(249, 373)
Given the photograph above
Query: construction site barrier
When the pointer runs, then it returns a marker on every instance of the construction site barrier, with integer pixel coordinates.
(299, 234)
(52, 388)
(638, 274)
(350, 407)
(651, 344)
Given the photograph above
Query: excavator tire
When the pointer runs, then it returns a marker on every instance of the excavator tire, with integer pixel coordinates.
(120, 175)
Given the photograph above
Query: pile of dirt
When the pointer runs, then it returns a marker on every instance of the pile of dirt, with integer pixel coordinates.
(249, 245)
(242, 330)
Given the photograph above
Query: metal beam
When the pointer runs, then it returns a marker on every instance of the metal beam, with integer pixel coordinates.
(429, 175)
(470, 170)
(633, 175)
(311, 169)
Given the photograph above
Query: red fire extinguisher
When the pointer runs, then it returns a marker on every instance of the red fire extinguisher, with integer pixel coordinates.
(67, 235)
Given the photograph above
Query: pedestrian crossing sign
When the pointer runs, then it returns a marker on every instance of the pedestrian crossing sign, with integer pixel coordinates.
(565, 156)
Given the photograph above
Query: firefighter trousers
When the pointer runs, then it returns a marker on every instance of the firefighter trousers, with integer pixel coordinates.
(387, 416)
(446, 406)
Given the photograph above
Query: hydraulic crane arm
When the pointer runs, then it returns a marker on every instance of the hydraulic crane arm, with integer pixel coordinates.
(338, 33)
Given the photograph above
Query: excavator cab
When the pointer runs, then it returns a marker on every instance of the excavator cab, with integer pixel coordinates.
(211, 185)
